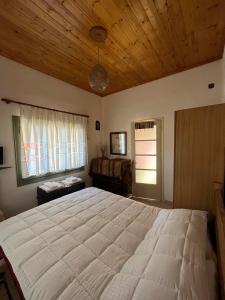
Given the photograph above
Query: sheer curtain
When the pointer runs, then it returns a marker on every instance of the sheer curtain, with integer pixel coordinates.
(51, 141)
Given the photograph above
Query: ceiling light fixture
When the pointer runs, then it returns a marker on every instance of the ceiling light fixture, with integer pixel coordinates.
(98, 77)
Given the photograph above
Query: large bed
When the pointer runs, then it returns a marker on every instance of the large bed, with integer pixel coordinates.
(93, 244)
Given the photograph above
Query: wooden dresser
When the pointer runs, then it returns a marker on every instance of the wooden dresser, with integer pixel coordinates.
(113, 175)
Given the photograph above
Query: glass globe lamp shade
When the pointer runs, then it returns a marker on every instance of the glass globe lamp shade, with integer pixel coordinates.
(98, 78)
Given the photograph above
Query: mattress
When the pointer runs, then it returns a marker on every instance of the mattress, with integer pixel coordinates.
(93, 244)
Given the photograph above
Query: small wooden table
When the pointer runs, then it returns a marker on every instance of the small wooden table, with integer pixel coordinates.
(44, 197)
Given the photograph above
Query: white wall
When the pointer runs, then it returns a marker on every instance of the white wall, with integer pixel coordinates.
(27, 85)
(161, 98)
(156, 99)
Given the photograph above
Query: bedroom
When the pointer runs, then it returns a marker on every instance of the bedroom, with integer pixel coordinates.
(47, 54)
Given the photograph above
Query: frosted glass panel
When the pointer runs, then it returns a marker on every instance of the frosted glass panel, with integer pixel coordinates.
(145, 162)
(144, 176)
(145, 147)
(145, 134)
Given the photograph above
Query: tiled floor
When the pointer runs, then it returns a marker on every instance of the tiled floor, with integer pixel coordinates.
(161, 204)
(3, 295)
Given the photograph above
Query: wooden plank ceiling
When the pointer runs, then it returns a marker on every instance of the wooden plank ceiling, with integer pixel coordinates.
(147, 39)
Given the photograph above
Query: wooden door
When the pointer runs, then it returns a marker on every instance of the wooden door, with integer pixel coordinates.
(199, 154)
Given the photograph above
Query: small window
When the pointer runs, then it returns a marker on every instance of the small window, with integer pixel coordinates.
(48, 144)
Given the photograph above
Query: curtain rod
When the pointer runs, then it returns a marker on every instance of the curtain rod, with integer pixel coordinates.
(8, 101)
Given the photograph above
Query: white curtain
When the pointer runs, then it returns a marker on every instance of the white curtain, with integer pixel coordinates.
(51, 141)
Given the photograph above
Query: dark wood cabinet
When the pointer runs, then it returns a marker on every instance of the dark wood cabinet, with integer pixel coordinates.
(111, 184)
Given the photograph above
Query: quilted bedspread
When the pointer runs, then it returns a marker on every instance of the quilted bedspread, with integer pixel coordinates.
(94, 244)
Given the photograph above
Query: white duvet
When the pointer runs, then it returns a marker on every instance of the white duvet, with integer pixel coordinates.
(93, 244)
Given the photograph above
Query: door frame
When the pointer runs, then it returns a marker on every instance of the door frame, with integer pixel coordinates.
(162, 152)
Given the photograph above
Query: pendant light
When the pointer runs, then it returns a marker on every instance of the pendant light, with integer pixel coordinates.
(98, 77)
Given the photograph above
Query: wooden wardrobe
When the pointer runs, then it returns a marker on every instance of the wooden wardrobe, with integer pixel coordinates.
(199, 151)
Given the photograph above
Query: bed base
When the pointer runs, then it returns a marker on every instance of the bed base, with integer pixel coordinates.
(220, 237)
(17, 285)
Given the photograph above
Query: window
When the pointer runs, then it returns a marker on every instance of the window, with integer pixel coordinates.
(48, 143)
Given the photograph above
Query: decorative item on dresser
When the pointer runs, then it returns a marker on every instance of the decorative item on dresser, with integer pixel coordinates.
(103, 150)
(113, 175)
(44, 196)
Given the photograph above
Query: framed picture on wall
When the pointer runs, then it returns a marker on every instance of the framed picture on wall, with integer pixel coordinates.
(118, 143)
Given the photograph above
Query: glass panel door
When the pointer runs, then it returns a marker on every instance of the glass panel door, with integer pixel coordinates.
(147, 156)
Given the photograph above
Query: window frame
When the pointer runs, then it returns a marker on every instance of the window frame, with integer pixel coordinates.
(32, 179)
